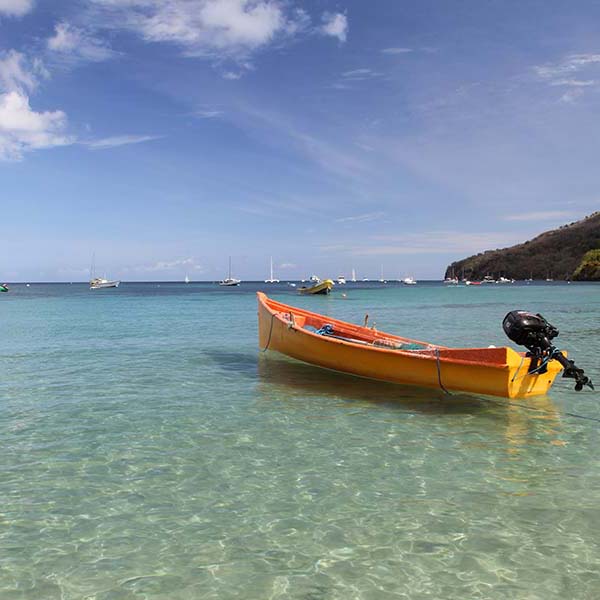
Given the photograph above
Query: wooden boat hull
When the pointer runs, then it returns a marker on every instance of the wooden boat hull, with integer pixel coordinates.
(324, 287)
(490, 371)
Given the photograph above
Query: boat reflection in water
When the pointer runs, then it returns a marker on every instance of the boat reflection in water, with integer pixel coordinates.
(298, 385)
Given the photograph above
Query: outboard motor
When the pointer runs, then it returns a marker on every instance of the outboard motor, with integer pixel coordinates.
(535, 333)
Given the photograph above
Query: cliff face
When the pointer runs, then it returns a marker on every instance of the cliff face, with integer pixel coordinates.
(558, 253)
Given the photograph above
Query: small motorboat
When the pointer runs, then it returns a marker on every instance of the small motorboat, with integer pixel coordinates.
(99, 283)
(322, 287)
(4, 287)
(366, 352)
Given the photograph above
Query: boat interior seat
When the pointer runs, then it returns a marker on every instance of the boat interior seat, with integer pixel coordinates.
(298, 320)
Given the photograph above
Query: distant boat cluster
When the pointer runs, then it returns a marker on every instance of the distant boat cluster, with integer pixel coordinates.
(314, 283)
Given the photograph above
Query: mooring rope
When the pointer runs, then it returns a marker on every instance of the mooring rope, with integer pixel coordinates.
(439, 372)
(270, 332)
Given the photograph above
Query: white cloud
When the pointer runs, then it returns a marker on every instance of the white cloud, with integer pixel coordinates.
(171, 265)
(354, 76)
(360, 74)
(570, 64)
(396, 50)
(428, 242)
(231, 75)
(540, 215)
(361, 218)
(279, 129)
(230, 28)
(561, 74)
(288, 265)
(335, 25)
(574, 82)
(76, 44)
(15, 8)
(22, 129)
(208, 113)
(120, 140)
(16, 74)
(572, 95)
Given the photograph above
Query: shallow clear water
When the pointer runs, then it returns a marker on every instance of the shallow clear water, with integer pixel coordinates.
(150, 451)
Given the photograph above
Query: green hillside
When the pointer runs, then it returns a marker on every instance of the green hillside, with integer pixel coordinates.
(562, 253)
(589, 268)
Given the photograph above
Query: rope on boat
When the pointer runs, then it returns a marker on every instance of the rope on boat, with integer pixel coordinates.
(519, 368)
(270, 332)
(439, 372)
(535, 371)
(540, 368)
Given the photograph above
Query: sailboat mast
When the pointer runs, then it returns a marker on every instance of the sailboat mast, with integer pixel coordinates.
(229, 277)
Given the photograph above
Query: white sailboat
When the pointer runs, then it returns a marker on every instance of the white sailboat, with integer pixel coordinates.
(230, 281)
(382, 280)
(409, 281)
(98, 283)
(271, 279)
(353, 279)
(187, 279)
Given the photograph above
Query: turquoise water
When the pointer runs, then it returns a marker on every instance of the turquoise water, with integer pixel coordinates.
(149, 451)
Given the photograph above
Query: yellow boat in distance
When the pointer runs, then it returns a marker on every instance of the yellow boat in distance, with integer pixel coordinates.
(366, 352)
(321, 287)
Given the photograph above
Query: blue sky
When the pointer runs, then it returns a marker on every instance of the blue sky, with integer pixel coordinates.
(165, 135)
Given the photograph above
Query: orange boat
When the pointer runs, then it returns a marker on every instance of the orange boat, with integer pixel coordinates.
(366, 352)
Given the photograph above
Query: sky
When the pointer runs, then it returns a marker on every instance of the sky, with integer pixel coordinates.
(164, 136)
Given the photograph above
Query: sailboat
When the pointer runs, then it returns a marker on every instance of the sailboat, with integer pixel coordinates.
(98, 283)
(187, 279)
(271, 279)
(353, 279)
(452, 280)
(229, 280)
(382, 280)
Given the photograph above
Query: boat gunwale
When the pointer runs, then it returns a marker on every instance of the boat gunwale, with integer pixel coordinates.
(425, 354)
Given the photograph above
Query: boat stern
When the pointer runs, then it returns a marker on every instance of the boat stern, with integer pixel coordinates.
(521, 383)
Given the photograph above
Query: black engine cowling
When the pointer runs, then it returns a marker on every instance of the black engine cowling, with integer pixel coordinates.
(529, 330)
(535, 333)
